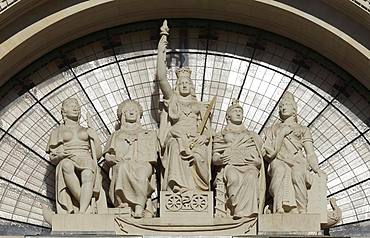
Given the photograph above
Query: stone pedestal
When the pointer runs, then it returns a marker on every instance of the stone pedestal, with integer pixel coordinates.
(289, 224)
(189, 205)
(317, 202)
(83, 224)
(120, 222)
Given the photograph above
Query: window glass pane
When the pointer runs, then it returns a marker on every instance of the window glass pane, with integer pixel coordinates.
(20, 205)
(330, 132)
(22, 166)
(349, 166)
(13, 111)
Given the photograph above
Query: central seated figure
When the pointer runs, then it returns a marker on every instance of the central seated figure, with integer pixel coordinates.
(185, 151)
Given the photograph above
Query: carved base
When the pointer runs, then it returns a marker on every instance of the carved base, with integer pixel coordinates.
(289, 224)
(75, 225)
(187, 205)
(190, 227)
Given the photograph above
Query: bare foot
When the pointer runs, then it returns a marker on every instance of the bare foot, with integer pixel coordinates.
(123, 205)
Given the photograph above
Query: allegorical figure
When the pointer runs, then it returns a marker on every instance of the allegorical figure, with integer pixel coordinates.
(131, 152)
(239, 152)
(75, 150)
(289, 149)
(186, 152)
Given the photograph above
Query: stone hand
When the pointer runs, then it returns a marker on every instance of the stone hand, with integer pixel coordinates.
(320, 172)
(64, 155)
(162, 44)
(286, 130)
(217, 159)
(269, 150)
(110, 159)
(202, 139)
(225, 160)
(226, 157)
(57, 156)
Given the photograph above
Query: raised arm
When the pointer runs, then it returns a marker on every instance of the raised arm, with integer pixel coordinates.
(161, 63)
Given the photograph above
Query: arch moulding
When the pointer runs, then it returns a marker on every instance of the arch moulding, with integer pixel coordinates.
(30, 30)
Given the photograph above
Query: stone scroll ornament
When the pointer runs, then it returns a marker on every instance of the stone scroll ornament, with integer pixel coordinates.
(238, 157)
(75, 150)
(290, 153)
(185, 132)
(131, 154)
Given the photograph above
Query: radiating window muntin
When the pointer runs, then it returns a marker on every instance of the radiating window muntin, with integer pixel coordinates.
(227, 60)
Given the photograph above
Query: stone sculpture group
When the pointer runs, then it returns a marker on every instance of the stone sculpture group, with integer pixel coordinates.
(195, 162)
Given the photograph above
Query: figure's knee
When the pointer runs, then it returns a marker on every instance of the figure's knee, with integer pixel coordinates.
(67, 166)
(87, 176)
(251, 175)
(148, 170)
(278, 167)
(199, 159)
(298, 175)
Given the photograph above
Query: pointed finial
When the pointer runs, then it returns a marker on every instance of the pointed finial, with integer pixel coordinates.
(164, 28)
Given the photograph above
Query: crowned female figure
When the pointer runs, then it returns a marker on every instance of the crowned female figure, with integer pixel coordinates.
(75, 150)
(131, 152)
(290, 152)
(185, 150)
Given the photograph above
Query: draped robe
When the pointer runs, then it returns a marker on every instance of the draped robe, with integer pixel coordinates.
(135, 152)
(242, 173)
(186, 164)
(289, 170)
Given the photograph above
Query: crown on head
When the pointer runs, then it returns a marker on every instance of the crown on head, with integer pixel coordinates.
(183, 73)
(234, 104)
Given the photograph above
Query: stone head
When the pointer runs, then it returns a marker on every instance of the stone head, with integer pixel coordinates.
(184, 85)
(129, 111)
(71, 109)
(287, 106)
(234, 113)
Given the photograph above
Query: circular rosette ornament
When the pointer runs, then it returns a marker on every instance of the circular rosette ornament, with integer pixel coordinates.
(174, 203)
(198, 203)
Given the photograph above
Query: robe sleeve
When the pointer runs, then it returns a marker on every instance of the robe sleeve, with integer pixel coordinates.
(109, 146)
(306, 135)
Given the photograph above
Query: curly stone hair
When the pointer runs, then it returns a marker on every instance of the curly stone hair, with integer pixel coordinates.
(66, 102)
(123, 105)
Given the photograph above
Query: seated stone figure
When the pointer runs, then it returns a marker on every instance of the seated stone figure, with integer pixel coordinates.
(290, 152)
(239, 153)
(185, 151)
(78, 178)
(131, 152)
